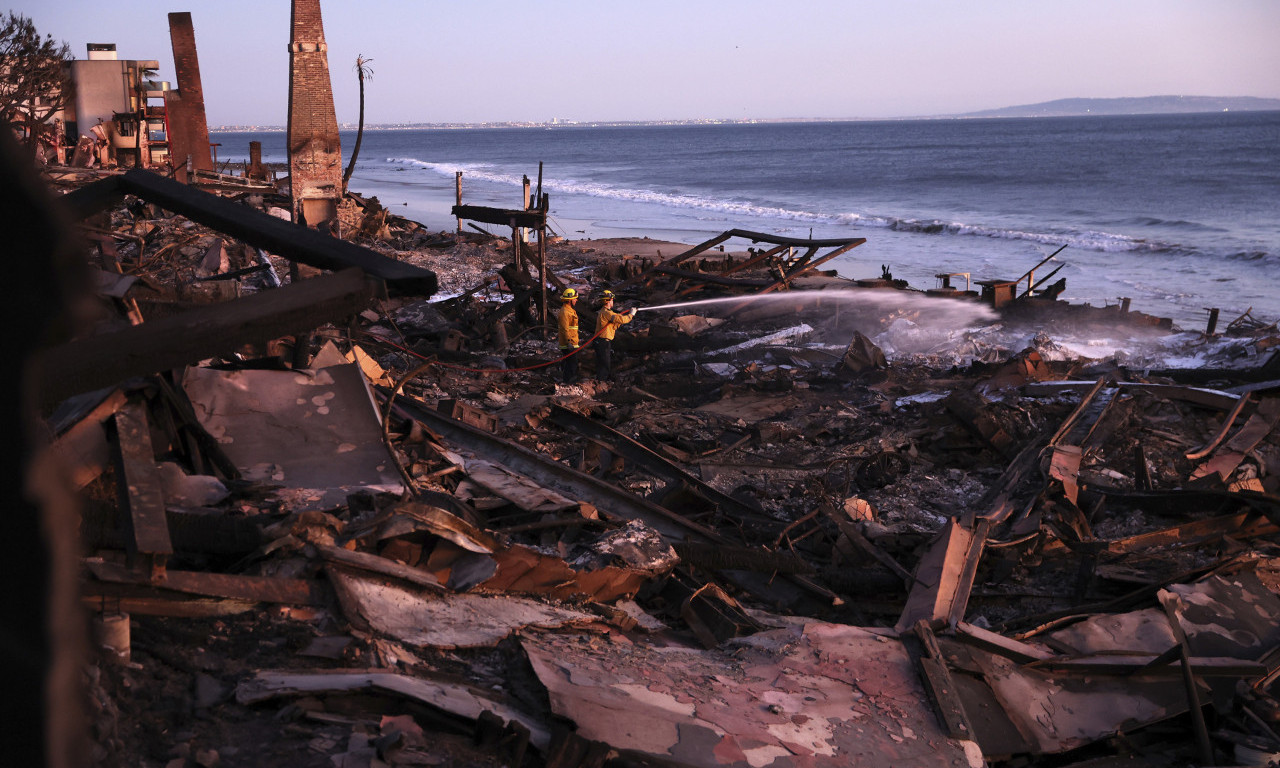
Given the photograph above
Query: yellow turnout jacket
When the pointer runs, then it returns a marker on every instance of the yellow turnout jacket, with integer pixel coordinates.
(568, 326)
(608, 322)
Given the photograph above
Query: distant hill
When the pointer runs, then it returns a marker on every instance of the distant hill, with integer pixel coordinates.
(1145, 105)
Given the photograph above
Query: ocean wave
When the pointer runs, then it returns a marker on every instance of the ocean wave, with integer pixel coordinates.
(593, 189)
(1262, 256)
(1180, 224)
(1091, 240)
(1086, 239)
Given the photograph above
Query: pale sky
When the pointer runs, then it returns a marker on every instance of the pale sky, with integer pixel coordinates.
(488, 61)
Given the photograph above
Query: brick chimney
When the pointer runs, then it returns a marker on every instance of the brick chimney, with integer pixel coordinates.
(188, 127)
(315, 154)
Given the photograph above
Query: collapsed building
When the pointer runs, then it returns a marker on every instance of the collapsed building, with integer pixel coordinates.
(328, 517)
(118, 114)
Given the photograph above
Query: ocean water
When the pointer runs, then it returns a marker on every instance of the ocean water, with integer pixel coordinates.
(1179, 213)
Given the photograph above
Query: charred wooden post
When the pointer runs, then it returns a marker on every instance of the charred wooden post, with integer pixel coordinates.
(1212, 327)
(457, 192)
(543, 206)
(524, 233)
(141, 493)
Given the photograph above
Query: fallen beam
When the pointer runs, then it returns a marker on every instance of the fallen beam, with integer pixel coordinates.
(140, 492)
(507, 217)
(208, 331)
(611, 501)
(641, 456)
(455, 698)
(286, 239)
(228, 586)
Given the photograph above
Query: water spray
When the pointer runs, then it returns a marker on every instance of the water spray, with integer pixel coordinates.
(956, 313)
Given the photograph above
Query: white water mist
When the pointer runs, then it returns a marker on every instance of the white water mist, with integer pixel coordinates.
(934, 310)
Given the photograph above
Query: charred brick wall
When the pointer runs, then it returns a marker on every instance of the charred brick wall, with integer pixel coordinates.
(315, 154)
(188, 127)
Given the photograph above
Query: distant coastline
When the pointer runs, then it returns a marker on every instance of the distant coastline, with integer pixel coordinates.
(1144, 105)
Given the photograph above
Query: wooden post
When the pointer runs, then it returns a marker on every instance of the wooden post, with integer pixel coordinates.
(517, 258)
(542, 270)
(1124, 305)
(457, 190)
(524, 233)
(1213, 322)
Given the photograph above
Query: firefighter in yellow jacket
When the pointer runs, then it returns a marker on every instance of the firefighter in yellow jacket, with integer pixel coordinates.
(569, 335)
(607, 324)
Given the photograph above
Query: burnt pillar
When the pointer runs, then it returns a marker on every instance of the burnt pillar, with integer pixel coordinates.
(315, 154)
(255, 169)
(188, 128)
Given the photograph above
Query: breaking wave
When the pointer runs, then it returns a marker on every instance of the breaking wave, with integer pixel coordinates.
(1089, 240)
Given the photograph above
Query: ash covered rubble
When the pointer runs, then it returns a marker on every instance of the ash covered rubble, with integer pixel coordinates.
(354, 523)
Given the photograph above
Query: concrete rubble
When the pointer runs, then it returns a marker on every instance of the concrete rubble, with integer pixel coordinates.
(351, 516)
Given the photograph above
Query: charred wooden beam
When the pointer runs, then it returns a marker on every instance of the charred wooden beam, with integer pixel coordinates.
(650, 461)
(610, 500)
(842, 244)
(507, 217)
(283, 238)
(940, 685)
(141, 493)
(711, 279)
(219, 329)
(229, 586)
(860, 541)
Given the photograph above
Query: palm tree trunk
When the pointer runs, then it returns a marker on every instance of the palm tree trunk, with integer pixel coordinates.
(355, 151)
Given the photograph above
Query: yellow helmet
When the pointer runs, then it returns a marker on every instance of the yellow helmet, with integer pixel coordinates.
(569, 293)
(606, 295)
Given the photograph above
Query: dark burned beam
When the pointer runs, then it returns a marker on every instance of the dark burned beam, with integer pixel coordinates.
(1146, 664)
(1240, 527)
(940, 684)
(610, 500)
(799, 242)
(1196, 500)
(1209, 398)
(141, 494)
(713, 279)
(842, 243)
(207, 331)
(283, 238)
(228, 586)
(808, 266)
(757, 259)
(513, 217)
(641, 456)
(860, 541)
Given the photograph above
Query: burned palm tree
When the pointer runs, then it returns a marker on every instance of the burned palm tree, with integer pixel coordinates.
(363, 71)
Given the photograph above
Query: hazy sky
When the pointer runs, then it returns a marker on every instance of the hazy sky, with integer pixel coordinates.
(486, 60)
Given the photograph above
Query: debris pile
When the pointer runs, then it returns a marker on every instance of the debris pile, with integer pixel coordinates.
(338, 509)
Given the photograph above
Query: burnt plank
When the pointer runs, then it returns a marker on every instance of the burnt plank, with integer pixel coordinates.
(508, 217)
(229, 586)
(141, 493)
(207, 331)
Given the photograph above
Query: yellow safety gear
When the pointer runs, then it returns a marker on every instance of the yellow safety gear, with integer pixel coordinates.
(568, 327)
(608, 322)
